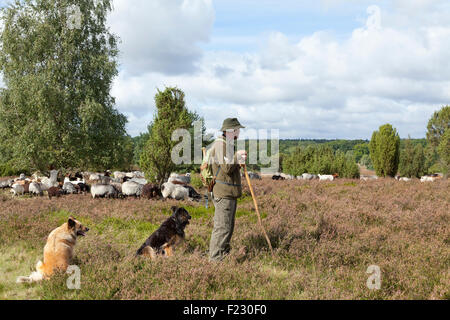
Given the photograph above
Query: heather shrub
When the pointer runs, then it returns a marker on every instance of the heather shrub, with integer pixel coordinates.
(324, 235)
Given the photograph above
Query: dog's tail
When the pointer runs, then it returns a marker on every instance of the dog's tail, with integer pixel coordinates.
(140, 250)
(35, 276)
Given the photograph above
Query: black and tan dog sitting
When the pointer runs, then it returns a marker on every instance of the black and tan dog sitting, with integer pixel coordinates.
(168, 235)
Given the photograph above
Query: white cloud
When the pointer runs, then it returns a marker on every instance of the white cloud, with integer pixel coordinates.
(386, 71)
(161, 36)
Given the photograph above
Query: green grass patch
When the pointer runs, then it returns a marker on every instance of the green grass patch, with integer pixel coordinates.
(350, 184)
(17, 260)
(128, 231)
(246, 198)
(200, 212)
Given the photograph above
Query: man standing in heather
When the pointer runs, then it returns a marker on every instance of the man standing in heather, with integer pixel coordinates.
(227, 189)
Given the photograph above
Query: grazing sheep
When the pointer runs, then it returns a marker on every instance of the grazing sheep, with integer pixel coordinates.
(307, 176)
(17, 190)
(100, 190)
(151, 191)
(174, 191)
(326, 177)
(131, 188)
(277, 177)
(405, 179)
(54, 192)
(35, 189)
(6, 184)
(69, 188)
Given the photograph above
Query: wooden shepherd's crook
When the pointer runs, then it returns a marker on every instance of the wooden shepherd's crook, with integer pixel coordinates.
(256, 208)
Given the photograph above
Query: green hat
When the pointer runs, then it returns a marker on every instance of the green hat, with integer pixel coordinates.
(231, 124)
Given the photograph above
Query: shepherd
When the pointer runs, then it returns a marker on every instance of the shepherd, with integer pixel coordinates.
(227, 187)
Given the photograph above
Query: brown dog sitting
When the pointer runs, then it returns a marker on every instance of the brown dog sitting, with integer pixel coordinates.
(58, 251)
(168, 235)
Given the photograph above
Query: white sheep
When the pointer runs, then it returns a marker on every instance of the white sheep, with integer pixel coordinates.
(131, 188)
(100, 190)
(428, 179)
(174, 191)
(307, 176)
(326, 177)
(17, 190)
(6, 183)
(69, 188)
(35, 189)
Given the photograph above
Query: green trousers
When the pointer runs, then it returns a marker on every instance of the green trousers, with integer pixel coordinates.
(224, 217)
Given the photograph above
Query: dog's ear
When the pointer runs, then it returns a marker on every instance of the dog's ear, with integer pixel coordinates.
(71, 222)
(174, 209)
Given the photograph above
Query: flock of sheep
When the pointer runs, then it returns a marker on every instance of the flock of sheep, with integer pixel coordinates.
(309, 176)
(134, 184)
(102, 185)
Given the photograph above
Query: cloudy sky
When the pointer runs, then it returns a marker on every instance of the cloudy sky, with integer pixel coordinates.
(312, 69)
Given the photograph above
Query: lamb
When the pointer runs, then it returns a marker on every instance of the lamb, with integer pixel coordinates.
(35, 189)
(17, 189)
(131, 188)
(100, 190)
(174, 191)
